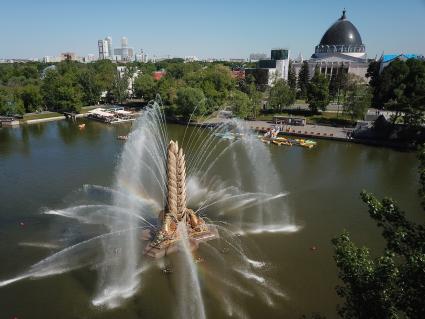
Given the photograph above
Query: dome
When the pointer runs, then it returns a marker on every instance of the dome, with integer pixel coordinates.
(342, 38)
(342, 32)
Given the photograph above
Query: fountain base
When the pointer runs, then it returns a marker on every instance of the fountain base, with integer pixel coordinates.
(166, 240)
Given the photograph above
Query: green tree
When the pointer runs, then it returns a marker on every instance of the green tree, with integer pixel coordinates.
(105, 73)
(303, 80)
(119, 91)
(358, 101)
(401, 88)
(61, 92)
(10, 103)
(318, 92)
(145, 87)
(32, 98)
(392, 285)
(281, 95)
(190, 100)
(373, 74)
(338, 83)
(90, 86)
(241, 104)
(292, 78)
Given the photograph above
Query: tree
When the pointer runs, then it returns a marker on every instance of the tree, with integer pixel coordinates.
(119, 91)
(10, 104)
(401, 88)
(373, 73)
(281, 95)
(31, 97)
(292, 78)
(145, 87)
(61, 92)
(90, 87)
(392, 285)
(358, 101)
(338, 83)
(240, 103)
(318, 92)
(105, 72)
(167, 88)
(303, 80)
(190, 101)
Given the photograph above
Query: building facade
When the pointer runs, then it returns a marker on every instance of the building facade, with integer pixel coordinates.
(103, 49)
(341, 49)
(270, 70)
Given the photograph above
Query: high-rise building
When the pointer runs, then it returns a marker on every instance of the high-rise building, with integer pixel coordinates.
(108, 39)
(103, 49)
(124, 53)
(124, 42)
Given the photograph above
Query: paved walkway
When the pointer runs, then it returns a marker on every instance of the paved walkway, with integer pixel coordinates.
(317, 131)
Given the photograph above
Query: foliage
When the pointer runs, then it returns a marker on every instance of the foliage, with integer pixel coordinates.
(90, 86)
(119, 92)
(392, 285)
(145, 87)
(281, 95)
(292, 78)
(303, 80)
(190, 101)
(338, 84)
(373, 74)
(241, 104)
(318, 92)
(401, 87)
(10, 104)
(61, 92)
(31, 97)
(358, 101)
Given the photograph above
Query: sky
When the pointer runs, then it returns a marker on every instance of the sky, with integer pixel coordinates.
(219, 28)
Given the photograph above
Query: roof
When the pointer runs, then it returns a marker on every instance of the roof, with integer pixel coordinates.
(342, 32)
(389, 57)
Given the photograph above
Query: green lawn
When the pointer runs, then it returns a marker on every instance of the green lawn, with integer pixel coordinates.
(28, 117)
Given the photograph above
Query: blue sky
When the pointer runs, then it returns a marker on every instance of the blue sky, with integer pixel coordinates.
(220, 28)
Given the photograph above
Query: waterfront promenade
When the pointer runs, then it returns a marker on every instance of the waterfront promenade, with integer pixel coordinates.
(308, 130)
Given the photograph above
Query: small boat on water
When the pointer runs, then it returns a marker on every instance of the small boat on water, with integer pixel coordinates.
(288, 141)
(306, 143)
(280, 143)
(81, 126)
(122, 137)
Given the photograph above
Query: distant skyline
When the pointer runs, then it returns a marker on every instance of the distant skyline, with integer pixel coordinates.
(219, 29)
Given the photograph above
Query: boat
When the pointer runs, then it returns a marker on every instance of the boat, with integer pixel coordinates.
(122, 137)
(281, 142)
(306, 143)
(81, 126)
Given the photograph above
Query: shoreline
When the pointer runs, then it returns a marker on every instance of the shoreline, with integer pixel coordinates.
(308, 131)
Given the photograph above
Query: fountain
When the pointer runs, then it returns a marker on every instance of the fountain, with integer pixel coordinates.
(164, 240)
(150, 180)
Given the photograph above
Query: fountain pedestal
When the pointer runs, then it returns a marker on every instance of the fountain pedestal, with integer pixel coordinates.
(165, 239)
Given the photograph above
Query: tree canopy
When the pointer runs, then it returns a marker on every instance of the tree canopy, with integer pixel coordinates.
(318, 92)
(391, 285)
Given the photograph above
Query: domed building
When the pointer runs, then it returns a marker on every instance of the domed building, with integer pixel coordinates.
(342, 37)
(341, 49)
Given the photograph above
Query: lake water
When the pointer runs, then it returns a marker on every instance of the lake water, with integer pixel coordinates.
(46, 165)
